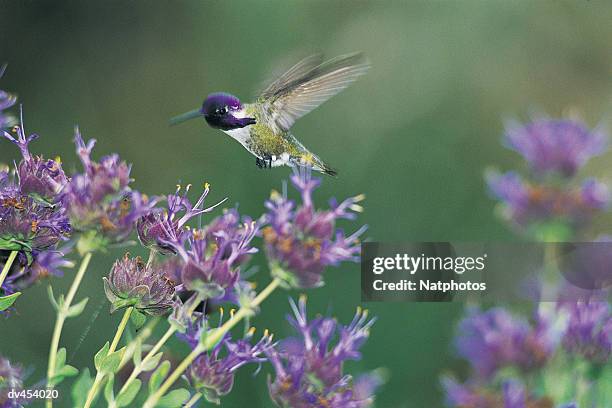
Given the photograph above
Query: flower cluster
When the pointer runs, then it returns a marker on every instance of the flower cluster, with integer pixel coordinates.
(40, 206)
(301, 241)
(100, 200)
(215, 254)
(550, 204)
(32, 219)
(494, 339)
(310, 368)
(589, 331)
(507, 352)
(209, 258)
(212, 373)
(131, 282)
(164, 230)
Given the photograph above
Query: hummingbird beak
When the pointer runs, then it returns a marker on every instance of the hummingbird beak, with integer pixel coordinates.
(196, 113)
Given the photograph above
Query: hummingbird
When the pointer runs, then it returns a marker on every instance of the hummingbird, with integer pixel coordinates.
(264, 126)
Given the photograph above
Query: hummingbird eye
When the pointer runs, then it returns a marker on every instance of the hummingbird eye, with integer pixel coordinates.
(221, 111)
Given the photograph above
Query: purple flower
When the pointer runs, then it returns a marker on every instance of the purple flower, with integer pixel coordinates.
(215, 254)
(524, 203)
(212, 373)
(27, 271)
(514, 395)
(133, 283)
(302, 241)
(589, 330)
(466, 395)
(11, 378)
(173, 270)
(309, 368)
(494, 339)
(473, 395)
(41, 178)
(28, 224)
(100, 199)
(30, 218)
(555, 145)
(164, 230)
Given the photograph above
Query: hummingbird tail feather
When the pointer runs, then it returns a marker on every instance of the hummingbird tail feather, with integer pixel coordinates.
(321, 166)
(328, 170)
(311, 160)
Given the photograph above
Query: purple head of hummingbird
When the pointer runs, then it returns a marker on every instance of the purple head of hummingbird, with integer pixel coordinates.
(221, 111)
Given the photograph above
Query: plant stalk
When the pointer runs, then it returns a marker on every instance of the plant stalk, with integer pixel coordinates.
(138, 369)
(61, 318)
(7, 266)
(144, 334)
(171, 330)
(93, 391)
(196, 397)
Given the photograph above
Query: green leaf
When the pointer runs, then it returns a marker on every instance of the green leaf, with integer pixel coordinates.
(69, 371)
(60, 360)
(137, 358)
(158, 376)
(110, 363)
(77, 309)
(52, 298)
(211, 396)
(173, 399)
(80, 388)
(7, 301)
(64, 372)
(138, 319)
(126, 397)
(14, 244)
(100, 355)
(109, 395)
(151, 363)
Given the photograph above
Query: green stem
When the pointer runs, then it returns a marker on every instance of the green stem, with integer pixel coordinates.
(196, 397)
(144, 334)
(138, 369)
(7, 266)
(171, 330)
(62, 314)
(210, 342)
(152, 254)
(93, 391)
(120, 329)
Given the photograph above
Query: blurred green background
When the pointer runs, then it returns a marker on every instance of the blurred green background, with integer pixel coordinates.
(414, 134)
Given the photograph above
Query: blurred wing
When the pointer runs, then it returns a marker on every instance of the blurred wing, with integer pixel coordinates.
(306, 86)
(297, 71)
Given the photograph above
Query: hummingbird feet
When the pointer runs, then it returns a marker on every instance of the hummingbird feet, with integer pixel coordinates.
(265, 162)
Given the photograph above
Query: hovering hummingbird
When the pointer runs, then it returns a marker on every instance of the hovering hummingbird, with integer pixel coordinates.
(264, 126)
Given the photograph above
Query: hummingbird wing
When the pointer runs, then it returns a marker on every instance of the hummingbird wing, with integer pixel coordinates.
(307, 85)
(296, 71)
